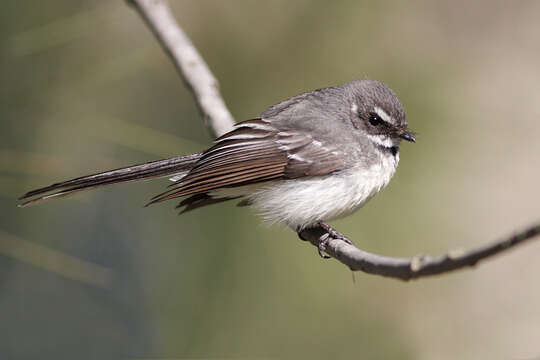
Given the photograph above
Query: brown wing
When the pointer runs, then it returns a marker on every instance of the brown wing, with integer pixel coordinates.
(254, 152)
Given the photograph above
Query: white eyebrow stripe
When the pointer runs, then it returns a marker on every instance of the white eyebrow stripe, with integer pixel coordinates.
(383, 115)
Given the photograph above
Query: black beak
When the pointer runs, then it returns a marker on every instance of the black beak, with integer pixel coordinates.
(406, 135)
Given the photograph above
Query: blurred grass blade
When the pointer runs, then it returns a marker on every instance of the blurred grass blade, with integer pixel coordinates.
(52, 260)
(61, 31)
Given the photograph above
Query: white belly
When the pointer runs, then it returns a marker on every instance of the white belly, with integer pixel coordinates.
(300, 203)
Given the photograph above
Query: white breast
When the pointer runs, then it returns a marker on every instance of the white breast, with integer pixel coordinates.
(302, 202)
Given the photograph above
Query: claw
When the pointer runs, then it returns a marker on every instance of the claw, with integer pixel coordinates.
(324, 239)
(334, 233)
(322, 246)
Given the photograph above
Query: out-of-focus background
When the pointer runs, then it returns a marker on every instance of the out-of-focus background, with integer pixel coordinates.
(85, 87)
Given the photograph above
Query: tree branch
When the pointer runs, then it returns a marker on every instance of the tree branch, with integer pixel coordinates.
(418, 266)
(204, 86)
(188, 62)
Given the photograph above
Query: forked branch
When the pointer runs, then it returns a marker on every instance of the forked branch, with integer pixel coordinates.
(204, 86)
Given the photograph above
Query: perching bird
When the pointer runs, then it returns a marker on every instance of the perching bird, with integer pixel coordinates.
(312, 158)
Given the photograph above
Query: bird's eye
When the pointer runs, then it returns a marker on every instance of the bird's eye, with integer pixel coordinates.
(375, 119)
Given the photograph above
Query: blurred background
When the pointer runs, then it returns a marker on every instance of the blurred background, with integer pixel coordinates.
(85, 87)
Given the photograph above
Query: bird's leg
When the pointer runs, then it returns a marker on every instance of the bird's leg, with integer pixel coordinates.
(330, 233)
(322, 245)
(334, 234)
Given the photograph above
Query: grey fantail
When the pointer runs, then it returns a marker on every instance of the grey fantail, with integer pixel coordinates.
(314, 157)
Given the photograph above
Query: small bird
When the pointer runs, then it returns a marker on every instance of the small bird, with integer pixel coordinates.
(312, 158)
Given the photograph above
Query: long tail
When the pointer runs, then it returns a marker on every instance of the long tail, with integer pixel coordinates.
(176, 166)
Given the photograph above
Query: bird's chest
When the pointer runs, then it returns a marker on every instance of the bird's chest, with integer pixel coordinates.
(302, 202)
(360, 184)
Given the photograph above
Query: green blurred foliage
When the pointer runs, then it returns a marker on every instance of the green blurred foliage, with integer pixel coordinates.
(87, 88)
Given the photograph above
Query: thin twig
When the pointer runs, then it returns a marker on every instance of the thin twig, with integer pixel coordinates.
(200, 80)
(418, 266)
(188, 62)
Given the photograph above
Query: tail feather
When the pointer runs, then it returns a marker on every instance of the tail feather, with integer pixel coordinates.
(154, 169)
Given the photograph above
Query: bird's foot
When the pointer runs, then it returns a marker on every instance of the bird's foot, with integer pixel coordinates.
(334, 234)
(330, 233)
(323, 241)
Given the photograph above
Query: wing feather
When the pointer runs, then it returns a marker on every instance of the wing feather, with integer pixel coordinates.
(254, 152)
